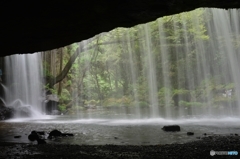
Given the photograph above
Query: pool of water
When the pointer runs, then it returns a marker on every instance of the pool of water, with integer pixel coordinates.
(100, 131)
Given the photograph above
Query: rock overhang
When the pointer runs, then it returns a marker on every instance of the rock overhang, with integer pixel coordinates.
(30, 26)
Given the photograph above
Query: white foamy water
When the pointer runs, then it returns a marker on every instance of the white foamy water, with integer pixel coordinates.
(24, 84)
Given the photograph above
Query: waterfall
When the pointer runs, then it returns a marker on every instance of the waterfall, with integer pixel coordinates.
(24, 84)
(180, 66)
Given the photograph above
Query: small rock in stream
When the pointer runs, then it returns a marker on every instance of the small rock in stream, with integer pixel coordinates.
(171, 128)
(17, 136)
(190, 133)
(57, 133)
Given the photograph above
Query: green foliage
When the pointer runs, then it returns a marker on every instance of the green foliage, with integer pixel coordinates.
(52, 90)
(92, 102)
(124, 101)
(180, 92)
(190, 104)
(230, 86)
(142, 104)
(165, 97)
(65, 95)
(113, 68)
(46, 71)
(224, 101)
(62, 108)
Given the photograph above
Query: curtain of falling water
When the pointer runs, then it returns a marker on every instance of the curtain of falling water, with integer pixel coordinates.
(24, 82)
(197, 58)
(194, 53)
(226, 26)
(133, 73)
(165, 70)
(150, 71)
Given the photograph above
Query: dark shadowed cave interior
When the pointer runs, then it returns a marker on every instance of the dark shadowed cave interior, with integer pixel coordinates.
(28, 27)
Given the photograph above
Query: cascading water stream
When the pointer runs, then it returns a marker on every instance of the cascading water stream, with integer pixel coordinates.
(24, 84)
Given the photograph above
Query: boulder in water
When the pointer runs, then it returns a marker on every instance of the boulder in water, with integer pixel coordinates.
(57, 133)
(52, 108)
(190, 133)
(20, 109)
(17, 136)
(41, 141)
(24, 111)
(6, 113)
(33, 136)
(54, 133)
(55, 112)
(37, 136)
(171, 128)
(52, 97)
(51, 104)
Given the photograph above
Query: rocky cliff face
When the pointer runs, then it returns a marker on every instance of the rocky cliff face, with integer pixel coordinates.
(31, 26)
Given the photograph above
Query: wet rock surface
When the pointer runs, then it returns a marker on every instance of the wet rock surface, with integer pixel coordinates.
(195, 150)
(56, 133)
(52, 102)
(171, 128)
(38, 136)
(6, 113)
(190, 133)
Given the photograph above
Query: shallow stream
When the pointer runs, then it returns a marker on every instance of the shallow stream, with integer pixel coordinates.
(100, 131)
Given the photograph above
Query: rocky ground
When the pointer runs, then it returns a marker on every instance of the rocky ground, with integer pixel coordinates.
(193, 150)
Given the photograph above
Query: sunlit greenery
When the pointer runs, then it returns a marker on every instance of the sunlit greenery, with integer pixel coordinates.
(112, 69)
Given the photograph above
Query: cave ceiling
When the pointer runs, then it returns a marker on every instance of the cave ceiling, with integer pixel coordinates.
(33, 26)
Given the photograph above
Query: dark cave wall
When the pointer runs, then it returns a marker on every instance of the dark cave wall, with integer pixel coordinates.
(32, 26)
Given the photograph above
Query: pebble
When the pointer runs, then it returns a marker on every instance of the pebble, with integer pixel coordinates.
(17, 136)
